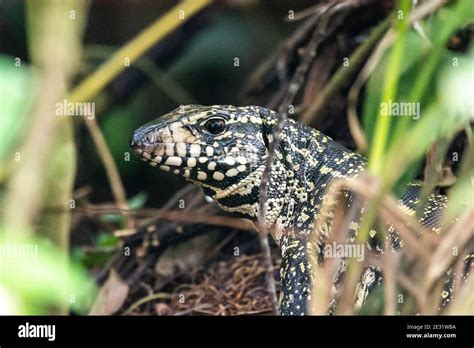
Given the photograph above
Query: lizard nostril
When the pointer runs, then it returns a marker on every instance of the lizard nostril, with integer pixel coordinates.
(144, 137)
(151, 137)
(135, 140)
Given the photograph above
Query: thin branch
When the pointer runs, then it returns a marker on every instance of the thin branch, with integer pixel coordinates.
(293, 88)
(342, 75)
(159, 78)
(157, 296)
(414, 290)
(443, 257)
(96, 81)
(389, 270)
(166, 215)
(269, 270)
(296, 82)
(110, 167)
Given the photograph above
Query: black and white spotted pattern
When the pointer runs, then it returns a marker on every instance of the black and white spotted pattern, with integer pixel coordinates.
(228, 164)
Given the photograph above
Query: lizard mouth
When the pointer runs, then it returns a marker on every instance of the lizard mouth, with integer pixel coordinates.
(157, 145)
(193, 161)
(172, 154)
(183, 159)
(192, 166)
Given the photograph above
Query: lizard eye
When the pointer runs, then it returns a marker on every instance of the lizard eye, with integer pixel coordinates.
(215, 125)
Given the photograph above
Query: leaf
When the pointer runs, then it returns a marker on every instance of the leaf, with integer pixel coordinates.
(138, 201)
(107, 241)
(112, 218)
(111, 296)
(42, 279)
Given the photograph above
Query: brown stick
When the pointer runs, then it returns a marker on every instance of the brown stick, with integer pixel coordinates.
(110, 167)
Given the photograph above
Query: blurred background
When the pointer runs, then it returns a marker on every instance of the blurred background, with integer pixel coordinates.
(198, 60)
(73, 198)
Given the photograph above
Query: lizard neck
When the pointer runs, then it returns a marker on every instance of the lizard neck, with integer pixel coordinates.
(304, 163)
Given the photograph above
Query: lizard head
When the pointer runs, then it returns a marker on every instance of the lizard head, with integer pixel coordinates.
(214, 147)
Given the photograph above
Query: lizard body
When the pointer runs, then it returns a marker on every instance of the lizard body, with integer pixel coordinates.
(223, 150)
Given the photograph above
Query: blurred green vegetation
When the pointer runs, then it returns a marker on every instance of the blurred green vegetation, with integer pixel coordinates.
(17, 92)
(420, 70)
(424, 65)
(34, 278)
(39, 163)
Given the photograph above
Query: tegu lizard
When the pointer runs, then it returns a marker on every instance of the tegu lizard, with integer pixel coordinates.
(223, 149)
